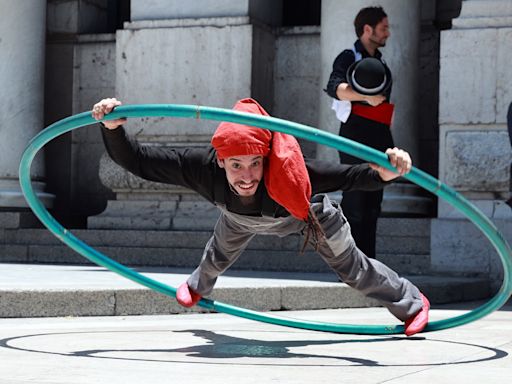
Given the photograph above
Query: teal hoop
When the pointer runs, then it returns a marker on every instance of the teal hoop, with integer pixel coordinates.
(302, 131)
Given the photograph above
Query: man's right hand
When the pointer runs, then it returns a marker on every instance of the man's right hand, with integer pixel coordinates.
(103, 108)
(375, 100)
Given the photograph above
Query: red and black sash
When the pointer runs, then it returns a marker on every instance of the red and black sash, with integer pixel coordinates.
(382, 113)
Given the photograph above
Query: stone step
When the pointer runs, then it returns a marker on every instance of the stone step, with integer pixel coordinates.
(197, 240)
(407, 263)
(404, 244)
(75, 290)
(278, 260)
(389, 231)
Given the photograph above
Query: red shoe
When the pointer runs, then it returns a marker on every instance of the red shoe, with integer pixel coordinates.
(419, 321)
(187, 297)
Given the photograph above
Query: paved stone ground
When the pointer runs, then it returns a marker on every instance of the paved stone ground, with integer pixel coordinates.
(217, 348)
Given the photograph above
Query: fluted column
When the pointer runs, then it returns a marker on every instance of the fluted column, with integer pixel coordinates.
(22, 47)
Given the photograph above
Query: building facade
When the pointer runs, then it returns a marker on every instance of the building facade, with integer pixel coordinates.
(451, 88)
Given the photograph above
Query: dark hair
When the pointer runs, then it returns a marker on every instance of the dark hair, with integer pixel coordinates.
(369, 15)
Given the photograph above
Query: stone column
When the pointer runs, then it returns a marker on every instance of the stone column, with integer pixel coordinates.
(401, 54)
(80, 70)
(474, 150)
(206, 52)
(22, 48)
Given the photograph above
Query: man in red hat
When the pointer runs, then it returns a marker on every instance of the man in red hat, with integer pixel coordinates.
(261, 183)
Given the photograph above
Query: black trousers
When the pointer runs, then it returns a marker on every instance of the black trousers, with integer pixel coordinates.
(363, 208)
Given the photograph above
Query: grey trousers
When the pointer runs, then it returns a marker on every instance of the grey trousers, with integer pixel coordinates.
(333, 242)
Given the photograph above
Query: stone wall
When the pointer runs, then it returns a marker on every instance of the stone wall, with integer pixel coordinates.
(275, 71)
(474, 153)
(474, 150)
(209, 61)
(94, 78)
(80, 68)
(297, 78)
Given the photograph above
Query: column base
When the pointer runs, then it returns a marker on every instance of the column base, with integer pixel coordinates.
(11, 195)
(19, 219)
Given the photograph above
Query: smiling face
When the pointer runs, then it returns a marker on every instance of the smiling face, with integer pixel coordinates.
(244, 173)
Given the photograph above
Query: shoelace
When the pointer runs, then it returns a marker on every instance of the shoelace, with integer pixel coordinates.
(313, 228)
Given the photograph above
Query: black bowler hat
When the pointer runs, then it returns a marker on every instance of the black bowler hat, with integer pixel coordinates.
(369, 76)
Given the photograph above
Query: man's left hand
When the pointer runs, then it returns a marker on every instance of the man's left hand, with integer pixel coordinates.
(399, 159)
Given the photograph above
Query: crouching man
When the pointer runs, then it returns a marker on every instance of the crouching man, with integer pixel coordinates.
(261, 183)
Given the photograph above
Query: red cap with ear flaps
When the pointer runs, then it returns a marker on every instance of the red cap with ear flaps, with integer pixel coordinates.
(286, 176)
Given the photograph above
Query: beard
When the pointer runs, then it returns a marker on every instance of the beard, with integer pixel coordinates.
(244, 200)
(379, 43)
